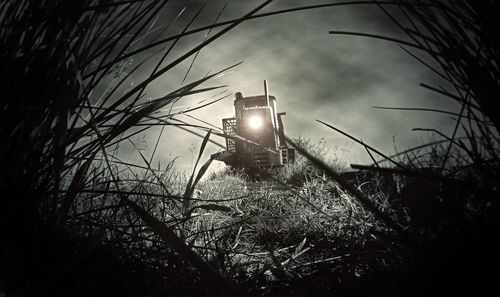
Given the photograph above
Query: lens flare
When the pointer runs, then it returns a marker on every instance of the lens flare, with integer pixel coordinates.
(255, 122)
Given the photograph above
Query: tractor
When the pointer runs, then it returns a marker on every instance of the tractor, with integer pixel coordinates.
(255, 135)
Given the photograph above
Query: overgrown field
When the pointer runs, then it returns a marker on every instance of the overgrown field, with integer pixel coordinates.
(293, 231)
(76, 219)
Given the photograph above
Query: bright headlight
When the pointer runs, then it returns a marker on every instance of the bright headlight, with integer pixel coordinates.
(255, 122)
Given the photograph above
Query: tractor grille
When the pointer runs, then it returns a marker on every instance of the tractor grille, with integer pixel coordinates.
(229, 126)
(284, 155)
(261, 159)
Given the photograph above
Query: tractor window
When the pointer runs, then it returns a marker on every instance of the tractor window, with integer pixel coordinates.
(255, 102)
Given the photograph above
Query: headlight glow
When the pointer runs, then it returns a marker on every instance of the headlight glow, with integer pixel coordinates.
(255, 122)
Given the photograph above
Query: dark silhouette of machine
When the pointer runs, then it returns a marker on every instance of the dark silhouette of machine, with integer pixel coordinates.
(255, 135)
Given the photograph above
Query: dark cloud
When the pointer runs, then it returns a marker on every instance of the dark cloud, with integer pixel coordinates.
(314, 75)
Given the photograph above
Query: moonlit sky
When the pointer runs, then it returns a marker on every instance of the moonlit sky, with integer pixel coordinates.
(313, 74)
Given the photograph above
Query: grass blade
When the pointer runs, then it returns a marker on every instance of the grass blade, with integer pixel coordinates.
(170, 238)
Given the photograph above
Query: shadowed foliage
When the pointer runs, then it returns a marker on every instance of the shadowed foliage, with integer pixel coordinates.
(76, 219)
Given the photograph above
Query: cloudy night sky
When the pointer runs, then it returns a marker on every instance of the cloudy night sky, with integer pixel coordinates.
(314, 75)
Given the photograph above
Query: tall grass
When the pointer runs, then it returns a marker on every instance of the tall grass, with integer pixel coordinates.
(78, 220)
(68, 198)
(451, 183)
(301, 170)
(59, 171)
